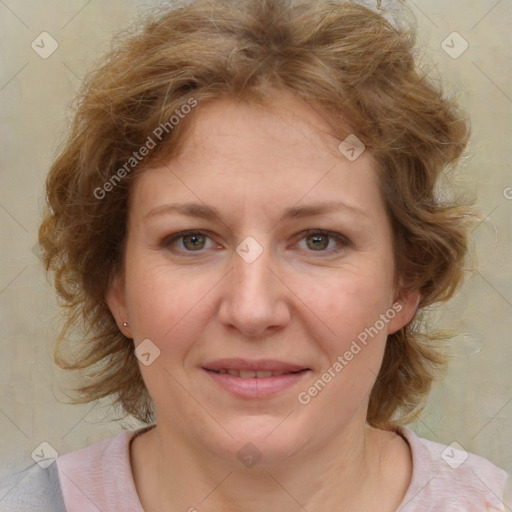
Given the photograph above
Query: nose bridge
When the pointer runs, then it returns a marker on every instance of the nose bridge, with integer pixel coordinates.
(253, 277)
(251, 263)
(253, 300)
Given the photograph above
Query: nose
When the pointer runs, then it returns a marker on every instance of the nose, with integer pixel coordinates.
(254, 299)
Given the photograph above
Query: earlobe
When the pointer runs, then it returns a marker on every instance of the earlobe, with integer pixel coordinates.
(405, 306)
(115, 298)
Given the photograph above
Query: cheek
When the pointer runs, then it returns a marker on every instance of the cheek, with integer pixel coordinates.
(346, 302)
(350, 334)
(352, 337)
(161, 299)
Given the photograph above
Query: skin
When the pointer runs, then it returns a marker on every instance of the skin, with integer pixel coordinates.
(296, 303)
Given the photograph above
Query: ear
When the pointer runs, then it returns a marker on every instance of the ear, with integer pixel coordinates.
(405, 305)
(116, 301)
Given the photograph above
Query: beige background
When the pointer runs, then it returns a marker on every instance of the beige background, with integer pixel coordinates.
(473, 406)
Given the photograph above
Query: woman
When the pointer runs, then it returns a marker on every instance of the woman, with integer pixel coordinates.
(243, 222)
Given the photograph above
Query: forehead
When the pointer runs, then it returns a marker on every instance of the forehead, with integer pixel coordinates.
(284, 124)
(242, 155)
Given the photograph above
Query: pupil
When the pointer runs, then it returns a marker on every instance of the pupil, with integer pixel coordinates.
(194, 239)
(317, 242)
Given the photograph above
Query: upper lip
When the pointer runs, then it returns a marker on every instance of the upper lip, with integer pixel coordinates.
(268, 365)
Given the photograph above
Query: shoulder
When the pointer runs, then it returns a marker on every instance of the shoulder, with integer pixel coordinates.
(97, 477)
(100, 476)
(447, 478)
(32, 489)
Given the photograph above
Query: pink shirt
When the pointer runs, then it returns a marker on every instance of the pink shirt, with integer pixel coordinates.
(99, 478)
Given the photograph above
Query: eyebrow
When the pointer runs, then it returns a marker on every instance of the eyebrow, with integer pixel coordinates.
(204, 211)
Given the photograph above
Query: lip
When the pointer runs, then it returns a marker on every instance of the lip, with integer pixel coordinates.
(255, 387)
(262, 365)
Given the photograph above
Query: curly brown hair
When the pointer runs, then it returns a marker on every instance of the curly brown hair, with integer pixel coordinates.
(349, 62)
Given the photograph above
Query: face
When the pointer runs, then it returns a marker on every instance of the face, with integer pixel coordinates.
(281, 263)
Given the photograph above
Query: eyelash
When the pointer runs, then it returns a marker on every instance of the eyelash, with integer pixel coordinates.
(343, 241)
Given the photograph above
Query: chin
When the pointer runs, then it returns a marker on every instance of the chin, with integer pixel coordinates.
(266, 438)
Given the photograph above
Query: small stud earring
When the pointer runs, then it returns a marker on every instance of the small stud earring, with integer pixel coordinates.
(125, 324)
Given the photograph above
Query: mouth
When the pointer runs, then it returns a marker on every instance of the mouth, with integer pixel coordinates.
(254, 379)
(254, 374)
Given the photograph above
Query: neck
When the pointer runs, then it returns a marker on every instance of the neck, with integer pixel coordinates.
(345, 473)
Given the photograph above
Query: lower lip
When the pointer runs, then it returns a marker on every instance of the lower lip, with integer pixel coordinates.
(254, 387)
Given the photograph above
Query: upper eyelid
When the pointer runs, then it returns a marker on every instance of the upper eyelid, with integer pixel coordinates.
(343, 240)
(324, 232)
(300, 236)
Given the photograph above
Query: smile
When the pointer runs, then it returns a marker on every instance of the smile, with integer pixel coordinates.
(249, 374)
(250, 384)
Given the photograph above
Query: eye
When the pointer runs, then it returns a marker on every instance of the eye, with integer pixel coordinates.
(188, 241)
(319, 241)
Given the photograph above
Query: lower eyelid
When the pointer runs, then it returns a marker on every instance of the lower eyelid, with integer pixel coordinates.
(342, 241)
(176, 237)
(171, 239)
